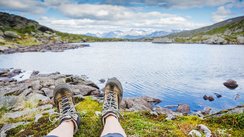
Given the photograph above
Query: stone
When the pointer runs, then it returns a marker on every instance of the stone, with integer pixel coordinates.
(17, 71)
(3, 48)
(138, 104)
(48, 92)
(183, 108)
(231, 84)
(10, 126)
(218, 95)
(210, 98)
(35, 73)
(3, 71)
(35, 84)
(237, 96)
(215, 40)
(240, 39)
(11, 34)
(35, 99)
(169, 113)
(102, 80)
(37, 117)
(86, 90)
(206, 110)
(162, 40)
(8, 101)
(90, 83)
(18, 114)
(205, 130)
(194, 133)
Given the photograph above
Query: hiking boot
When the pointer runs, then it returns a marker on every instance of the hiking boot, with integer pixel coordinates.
(113, 93)
(63, 99)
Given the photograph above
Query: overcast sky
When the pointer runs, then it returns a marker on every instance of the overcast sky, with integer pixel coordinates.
(82, 16)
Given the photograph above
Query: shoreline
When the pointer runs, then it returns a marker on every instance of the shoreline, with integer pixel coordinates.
(28, 102)
(58, 47)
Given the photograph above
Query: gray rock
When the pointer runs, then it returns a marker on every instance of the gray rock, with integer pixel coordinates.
(231, 84)
(206, 110)
(3, 71)
(10, 126)
(37, 117)
(138, 104)
(183, 108)
(8, 101)
(86, 90)
(18, 114)
(102, 80)
(35, 84)
(194, 133)
(169, 113)
(215, 40)
(11, 34)
(48, 92)
(205, 130)
(35, 73)
(240, 39)
(3, 48)
(162, 40)
(235, 110)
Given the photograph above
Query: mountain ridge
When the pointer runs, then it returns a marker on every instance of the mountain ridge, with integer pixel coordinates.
(230, 31)
(132, 34)
(15, 29)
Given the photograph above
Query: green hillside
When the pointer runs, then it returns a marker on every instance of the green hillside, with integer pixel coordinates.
(15, 29)
(230, 31)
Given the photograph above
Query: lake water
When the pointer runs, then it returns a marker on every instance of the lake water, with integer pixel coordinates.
(174, 73)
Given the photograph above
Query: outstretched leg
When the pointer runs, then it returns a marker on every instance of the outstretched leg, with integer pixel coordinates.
(112, 97)
(69, 119)
(65, 129)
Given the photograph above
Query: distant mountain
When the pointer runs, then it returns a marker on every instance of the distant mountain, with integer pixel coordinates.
(131, 34)
(230, 31)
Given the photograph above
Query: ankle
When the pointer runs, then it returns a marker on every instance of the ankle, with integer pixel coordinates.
(111, 117)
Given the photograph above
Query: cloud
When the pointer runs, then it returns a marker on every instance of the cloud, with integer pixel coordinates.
(31, 6)
(221, 14)
(169, 3)
(102, 18)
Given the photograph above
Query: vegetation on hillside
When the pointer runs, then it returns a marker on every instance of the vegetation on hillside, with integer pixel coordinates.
(230, 31)
(25, 32)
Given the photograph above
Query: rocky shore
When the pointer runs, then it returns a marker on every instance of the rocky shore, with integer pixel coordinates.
(27, 102)
(56, 47)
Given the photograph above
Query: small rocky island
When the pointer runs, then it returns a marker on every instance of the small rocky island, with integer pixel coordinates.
(27, 109)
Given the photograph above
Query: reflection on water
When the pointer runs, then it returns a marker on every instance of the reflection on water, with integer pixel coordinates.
(175, 73)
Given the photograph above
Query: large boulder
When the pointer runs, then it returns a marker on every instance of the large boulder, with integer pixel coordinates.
(240, 39)
(231, 84)
(11, 34)
(183, 108)
(85, 90)
(162, 40)
(139, 103)
(215, 40)
(165, 111)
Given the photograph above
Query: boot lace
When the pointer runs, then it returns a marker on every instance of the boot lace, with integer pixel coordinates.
(67, 111)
